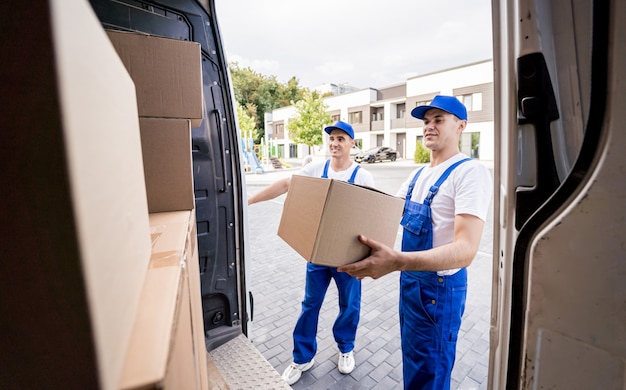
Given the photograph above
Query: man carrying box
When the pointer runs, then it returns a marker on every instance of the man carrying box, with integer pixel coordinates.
(446, 204)
(339, 167)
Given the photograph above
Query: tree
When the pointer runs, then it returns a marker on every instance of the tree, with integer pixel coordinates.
(290, 92)
(247, 125)
(311, 117)
(256, 93)
(422, 154)
(259, 94)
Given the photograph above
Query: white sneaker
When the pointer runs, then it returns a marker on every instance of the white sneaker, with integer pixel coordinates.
(346, 364)
(294, 371)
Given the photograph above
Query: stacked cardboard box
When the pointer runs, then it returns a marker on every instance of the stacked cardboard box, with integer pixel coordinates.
(101, 286)
(167, 74)
(167, 345)
(77, 212)
(168, 79)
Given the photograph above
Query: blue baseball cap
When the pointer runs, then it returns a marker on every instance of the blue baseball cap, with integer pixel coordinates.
(449, 104)
(340, 125)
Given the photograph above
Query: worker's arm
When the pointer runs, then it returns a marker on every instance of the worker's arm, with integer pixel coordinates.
(275, 189)
(457, 254)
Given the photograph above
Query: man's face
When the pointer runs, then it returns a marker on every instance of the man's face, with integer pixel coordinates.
(339, 143)
(441, 130)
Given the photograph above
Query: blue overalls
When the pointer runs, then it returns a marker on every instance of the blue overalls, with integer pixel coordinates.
(317, 281)
(431, 306)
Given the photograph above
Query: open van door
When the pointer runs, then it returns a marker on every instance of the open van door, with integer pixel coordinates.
(559, 281)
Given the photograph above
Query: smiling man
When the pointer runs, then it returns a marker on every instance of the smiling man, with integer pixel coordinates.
(318, 277)
(446, 204)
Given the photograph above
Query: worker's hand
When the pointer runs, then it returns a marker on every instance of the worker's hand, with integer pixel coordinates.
(381, 261)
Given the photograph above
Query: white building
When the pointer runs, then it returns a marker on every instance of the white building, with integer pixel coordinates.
(381, 117)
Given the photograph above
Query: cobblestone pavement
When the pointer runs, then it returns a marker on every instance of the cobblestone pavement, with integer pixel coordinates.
(277, 282)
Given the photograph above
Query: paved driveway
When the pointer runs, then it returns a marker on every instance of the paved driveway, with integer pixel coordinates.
(277, 274)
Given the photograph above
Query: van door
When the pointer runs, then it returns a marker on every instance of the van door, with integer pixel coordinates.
(559, 284)
(217, 169)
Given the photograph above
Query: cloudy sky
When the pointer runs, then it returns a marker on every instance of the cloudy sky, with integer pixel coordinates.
(364, 43)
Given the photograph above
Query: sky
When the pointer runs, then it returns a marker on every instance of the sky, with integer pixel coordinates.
(363, 43)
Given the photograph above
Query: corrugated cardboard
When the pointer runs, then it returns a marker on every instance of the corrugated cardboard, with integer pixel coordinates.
(322, 219)
(76, 214)
(164, 350)
(195, 296)
(167, 74)
(167, 164)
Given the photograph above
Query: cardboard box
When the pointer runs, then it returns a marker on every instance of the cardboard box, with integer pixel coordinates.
(167, 164)
(322, 219)
(167, 74)
(74, 202)
(167, 346)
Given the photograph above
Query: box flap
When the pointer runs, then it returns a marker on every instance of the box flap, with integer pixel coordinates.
(153, 331)
(102, 150)
(302, 213)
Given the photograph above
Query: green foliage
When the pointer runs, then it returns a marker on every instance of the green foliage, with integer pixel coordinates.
(422, 154)
(247, 125)
(259, 94)
(311, 117)
(290, 92)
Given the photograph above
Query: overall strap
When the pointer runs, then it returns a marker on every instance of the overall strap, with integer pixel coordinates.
(433, 190)
(325, 174)
(351, 180)
(412, 184)
(354, 174)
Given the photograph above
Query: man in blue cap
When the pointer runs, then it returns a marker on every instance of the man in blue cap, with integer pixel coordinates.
(338, 167)
(446, 205)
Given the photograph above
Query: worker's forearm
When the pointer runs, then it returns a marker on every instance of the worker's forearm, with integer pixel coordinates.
(276, 189)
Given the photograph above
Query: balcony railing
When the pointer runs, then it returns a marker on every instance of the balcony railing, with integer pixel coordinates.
(398, 123)
(377, 125)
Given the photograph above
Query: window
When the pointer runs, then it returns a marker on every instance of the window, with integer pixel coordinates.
(378, 114)
(335, 118)
(400, 110)
(467, 101)
(280, 131)
(355, 117)
(422, 103)
(477, 102)
(472, 101)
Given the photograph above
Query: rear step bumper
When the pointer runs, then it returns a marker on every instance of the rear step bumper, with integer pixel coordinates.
(242, 366)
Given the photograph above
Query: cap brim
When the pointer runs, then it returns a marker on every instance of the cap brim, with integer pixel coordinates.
(419, 112)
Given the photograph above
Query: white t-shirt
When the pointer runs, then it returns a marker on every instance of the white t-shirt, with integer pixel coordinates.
(467, 190)
(316, 169)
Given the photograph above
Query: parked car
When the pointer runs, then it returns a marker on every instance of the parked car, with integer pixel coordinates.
(379, 153)
(354, 151)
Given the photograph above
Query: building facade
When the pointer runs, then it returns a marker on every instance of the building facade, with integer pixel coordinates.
(382, 117)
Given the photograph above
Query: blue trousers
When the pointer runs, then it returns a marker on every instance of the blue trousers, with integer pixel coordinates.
(431, 308)
(317, 281)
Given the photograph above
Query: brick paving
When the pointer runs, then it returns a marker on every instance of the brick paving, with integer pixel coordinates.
(277, 282)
